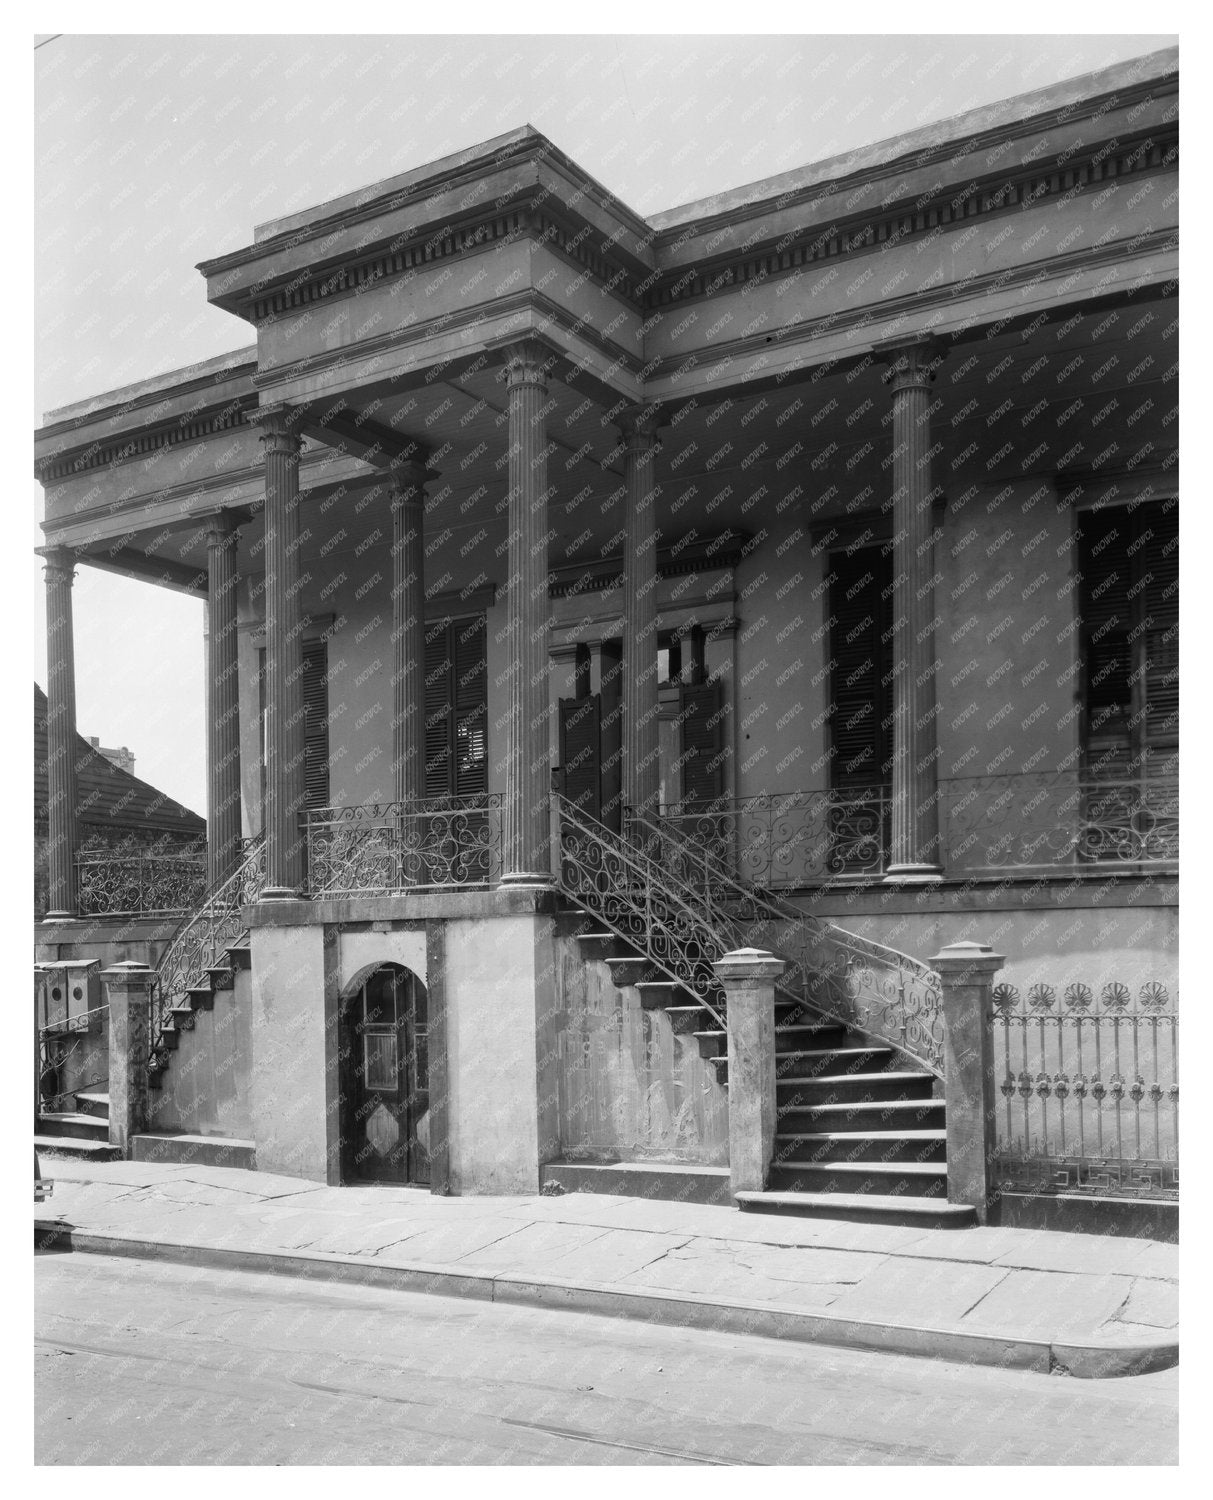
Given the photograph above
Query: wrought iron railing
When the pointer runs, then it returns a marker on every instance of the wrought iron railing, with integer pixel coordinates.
(1089, 1083)
(789, 839)
(1059, 822)
(64, 1047)
(833, 972)
(627, 890)
(381, 848)
(201, 940)
(116, 883)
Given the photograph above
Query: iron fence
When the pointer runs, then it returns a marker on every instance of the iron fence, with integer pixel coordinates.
(381, 848)
(1089, 1084)
(136, 884)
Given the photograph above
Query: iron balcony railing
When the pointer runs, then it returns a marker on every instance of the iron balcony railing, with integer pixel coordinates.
(113, 883)
(432, 843)
(1089, 1085)
(1042, 824)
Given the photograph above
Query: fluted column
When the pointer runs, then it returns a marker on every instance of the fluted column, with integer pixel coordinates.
(527, 855)
(914, 840)
(223, 716)
(641, 750)
(408, 631)
(284, 716)
(62, 799)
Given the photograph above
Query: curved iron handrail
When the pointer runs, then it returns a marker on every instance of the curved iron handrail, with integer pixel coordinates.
(877, 989)
(203, 936)
(640, 902)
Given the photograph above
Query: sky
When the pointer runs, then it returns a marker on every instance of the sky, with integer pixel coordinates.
(153, 153)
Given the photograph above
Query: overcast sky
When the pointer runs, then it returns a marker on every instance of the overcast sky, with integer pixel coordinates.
(153, 153)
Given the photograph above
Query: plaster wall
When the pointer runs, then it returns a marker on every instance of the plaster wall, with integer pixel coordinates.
(206, 1087)
(293, 1077)
(382, 944)
(629, 1088)
(501, 1052)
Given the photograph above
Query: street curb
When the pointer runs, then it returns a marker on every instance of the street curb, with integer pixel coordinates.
(669, 1309)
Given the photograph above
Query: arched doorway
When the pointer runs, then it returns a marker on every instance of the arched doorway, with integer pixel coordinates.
(385, 1078)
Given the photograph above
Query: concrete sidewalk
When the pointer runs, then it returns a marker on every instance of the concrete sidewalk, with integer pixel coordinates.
(1083, 1305)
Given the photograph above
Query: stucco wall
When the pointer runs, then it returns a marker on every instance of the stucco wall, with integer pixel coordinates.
(206, 1088)
(501, 1048)
(294, 1054)
(629, 1088)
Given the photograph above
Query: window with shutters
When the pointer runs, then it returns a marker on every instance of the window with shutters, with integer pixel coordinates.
(861, 682)
(701, 715)
(1128, 558)
(456, 708)
(316, 722)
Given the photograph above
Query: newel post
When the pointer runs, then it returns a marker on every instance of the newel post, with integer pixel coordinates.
(749, 976)
(967, 971)
(128, 991)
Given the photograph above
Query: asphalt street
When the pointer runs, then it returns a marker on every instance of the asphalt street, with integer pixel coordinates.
(142, 1362)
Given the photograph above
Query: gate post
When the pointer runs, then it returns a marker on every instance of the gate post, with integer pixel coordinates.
(749, 976)
(128, 989)
(967, 972)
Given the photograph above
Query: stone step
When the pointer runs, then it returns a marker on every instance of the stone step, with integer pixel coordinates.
(862, 1208)
(193, 1150)
(200, 996)
(834, 1062)
(93, 1103)
(861, 1146)
(683, 1182)
(856, 1087)
(662, 994)
(73, 1126)
(911, 1179)
(687, 1019)
(630, 970)
(822, 1032)
(222, 976)
(912, 1114)
(57, 1145)
(181, 1018)
(241, 955)
(711, 1043)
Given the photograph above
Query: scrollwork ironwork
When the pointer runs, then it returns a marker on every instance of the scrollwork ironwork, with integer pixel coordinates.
(134, 883)
(398, 846)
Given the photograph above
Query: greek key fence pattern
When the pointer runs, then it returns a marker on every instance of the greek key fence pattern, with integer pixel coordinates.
(1089, 1085)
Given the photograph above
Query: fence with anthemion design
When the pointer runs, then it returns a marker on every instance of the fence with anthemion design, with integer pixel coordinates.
(1088, 1089)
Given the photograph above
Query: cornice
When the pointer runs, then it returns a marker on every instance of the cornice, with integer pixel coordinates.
(417, 333)
(71, 462)
(690, 555)
(948, 295)
(862, 230)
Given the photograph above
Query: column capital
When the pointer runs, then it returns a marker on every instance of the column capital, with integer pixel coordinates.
(638, 426)
(223, 525)
(410, 474)
(279, 427)
(525, 362)
(58, 561)
(911, 362)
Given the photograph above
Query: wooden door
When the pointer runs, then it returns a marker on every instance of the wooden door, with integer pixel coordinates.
(385, 1080)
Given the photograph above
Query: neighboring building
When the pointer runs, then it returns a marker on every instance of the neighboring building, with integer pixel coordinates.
(829, 525)
(134, 843)
(123, 758)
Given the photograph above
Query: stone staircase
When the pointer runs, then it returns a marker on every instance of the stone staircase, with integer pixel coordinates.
(82, 1133)
(860, 1131)
(178, 1016)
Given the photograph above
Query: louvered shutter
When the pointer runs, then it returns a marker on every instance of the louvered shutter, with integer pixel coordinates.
(861, 647)
(1104, 602)
(316, 730)
(471, 707)
(438, 712)
(1158, 557)
(581, 752)
(702, 718)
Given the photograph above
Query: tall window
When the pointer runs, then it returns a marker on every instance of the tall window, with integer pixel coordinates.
(1129, 603)
(456, 709)
(315, 685)
(861, 682)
